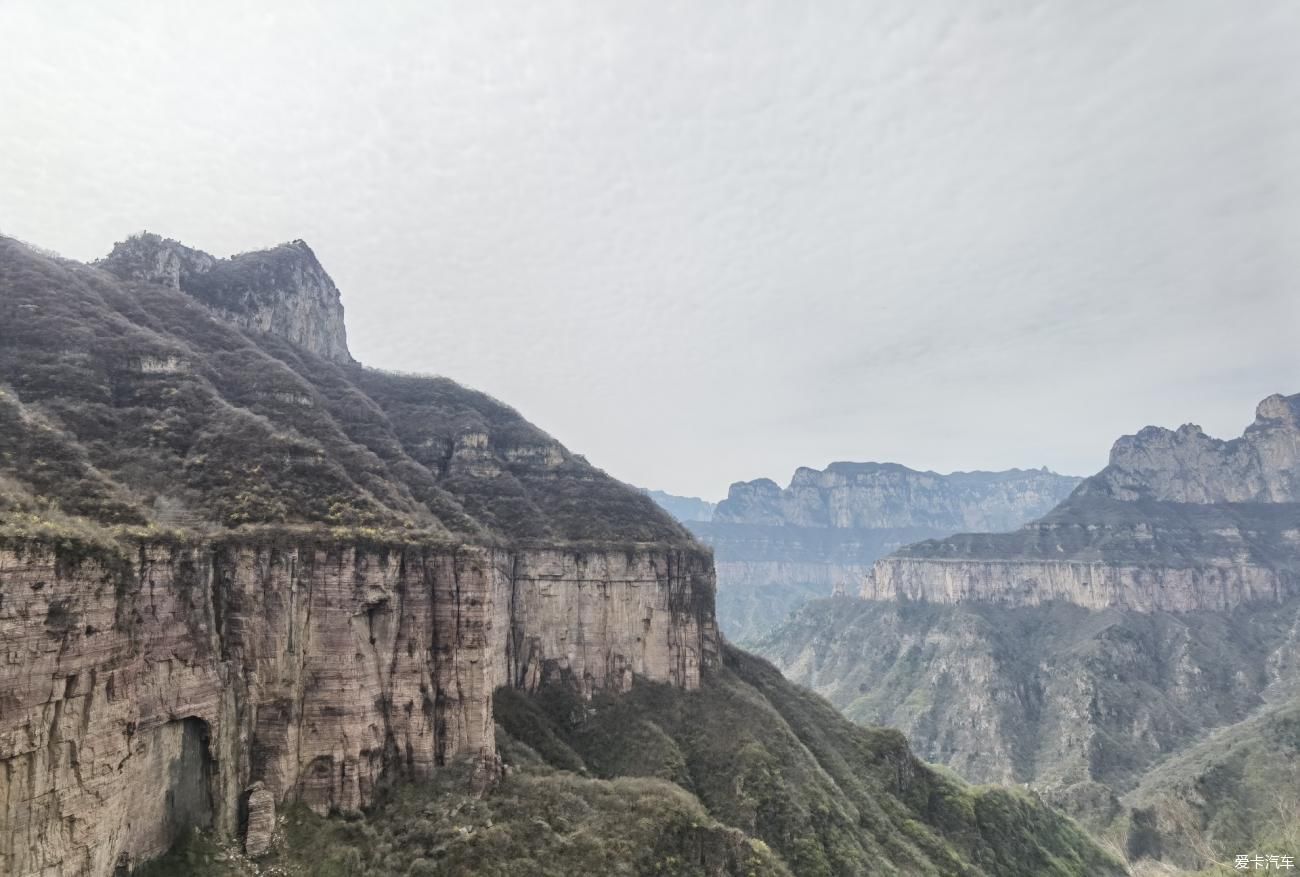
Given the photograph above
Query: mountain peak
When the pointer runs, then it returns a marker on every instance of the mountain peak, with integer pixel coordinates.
(283, 290)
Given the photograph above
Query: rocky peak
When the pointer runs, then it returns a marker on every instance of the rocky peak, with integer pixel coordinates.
(1186, 465)
(282, 291)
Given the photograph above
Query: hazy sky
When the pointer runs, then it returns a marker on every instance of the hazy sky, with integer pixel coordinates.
(703, 242)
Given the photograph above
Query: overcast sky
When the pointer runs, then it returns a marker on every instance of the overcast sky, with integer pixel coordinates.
(705, 242)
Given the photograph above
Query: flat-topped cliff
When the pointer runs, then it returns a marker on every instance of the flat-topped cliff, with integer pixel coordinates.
(1177, 521)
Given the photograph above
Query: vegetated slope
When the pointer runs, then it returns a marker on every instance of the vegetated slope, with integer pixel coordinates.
(1066, 698)
(1111, 715)
(778, 762)
(1237, 792)
(538, 822)
(131, 402)
(749, 775)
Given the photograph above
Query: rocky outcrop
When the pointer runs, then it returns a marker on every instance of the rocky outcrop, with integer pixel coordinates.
(600, 619)
(1186, 465)
(147, 696)
(1178, 521)
(283, 291)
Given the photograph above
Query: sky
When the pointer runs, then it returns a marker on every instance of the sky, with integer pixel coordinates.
(709, 242)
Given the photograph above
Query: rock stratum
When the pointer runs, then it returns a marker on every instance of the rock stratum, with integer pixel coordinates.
(1178, 521)
(777, 548)
(247, 584)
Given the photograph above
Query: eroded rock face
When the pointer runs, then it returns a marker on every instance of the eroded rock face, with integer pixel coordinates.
(601, 618)
(143, 698)
(1178, 521)
(1186, 465)
(282, 291)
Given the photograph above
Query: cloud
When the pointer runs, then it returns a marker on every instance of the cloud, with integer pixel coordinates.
(704, 242)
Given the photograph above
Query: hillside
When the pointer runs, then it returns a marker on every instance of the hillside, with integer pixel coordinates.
(746, 776)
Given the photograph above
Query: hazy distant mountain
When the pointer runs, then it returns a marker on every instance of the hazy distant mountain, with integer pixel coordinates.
(683, 508)
(777, 548)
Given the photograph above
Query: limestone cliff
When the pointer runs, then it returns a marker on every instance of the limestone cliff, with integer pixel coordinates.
(283, 290)
(1177, 521)
(238, 569)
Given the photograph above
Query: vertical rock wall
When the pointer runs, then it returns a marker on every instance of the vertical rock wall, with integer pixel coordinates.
(139, 698)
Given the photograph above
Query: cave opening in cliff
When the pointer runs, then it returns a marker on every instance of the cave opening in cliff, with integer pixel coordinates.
(189, 802)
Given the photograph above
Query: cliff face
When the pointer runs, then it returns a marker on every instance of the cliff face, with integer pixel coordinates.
(283, 291)
(1177, 521)
(776, 549)
(180, 687)
(237, 568)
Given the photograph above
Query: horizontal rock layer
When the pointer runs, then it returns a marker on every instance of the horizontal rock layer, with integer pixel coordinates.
(143, 697)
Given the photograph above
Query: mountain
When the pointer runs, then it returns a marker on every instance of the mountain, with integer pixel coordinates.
(685, 509)
(777, 548)
(1092, 651)
(253, 589)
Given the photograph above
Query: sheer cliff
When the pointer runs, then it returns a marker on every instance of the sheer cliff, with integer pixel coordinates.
(242, 574)
(777, 548)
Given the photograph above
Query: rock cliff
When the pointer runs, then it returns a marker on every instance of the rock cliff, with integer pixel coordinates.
(1177, 521)
(283, 290)
(238, 569)
(776, 549)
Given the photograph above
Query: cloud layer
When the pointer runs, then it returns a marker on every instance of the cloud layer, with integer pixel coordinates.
(705, 242)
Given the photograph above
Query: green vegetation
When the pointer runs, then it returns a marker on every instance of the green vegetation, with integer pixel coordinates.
(747, 776)
(1236, 792)
(781, 764)
(538, 822)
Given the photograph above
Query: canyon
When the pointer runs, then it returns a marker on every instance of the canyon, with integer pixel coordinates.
(1096, 653)
(265, 608)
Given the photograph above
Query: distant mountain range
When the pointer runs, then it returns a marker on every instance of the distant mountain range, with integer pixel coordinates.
(683, 508)
(775, 548)
(1134, 654)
